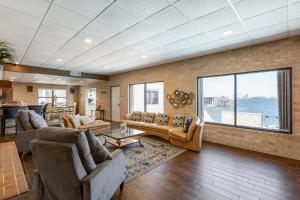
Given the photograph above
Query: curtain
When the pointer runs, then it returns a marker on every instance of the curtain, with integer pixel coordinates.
(284, 95)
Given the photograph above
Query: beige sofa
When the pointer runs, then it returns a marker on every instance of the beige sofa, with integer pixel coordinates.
(176, 135)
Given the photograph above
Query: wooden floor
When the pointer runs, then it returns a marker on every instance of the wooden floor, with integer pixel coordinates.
(217, 172)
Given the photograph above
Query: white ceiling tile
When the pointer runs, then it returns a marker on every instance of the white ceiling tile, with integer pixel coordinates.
(142, 9)
(90, 8)
(198, 8)
(295, 11)
(251, 8)
(186, 43)
(236, 29)
(162, 39)
(15, 18)
(184, 31)
(143, 30)
(167, 18)
(100, 30)
(275, 32)
(74, 48)
(218, 19)
(117, 18)
(66, 17)
(268, 19)
(35, 8)
(294, 27)
(293, 1)
(237, 41)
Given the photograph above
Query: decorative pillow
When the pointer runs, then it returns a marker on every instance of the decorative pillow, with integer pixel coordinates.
(187, 124)
(73, 121)
(136, 116)
(77, 119)
(178, 120)
(162, 119)
(71, 136)
(149, 117)
(98, 151)
(85, 120)
(37, 120)
(24, 118)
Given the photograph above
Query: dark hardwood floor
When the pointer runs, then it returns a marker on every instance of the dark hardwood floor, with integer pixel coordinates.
(217, 172)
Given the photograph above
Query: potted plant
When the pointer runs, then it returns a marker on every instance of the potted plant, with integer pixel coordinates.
(7, 54)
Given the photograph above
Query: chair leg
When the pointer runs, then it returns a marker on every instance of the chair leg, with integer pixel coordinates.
(122, 186)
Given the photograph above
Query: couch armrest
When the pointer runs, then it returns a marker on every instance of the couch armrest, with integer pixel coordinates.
(23, 140)
(103, 182)
(127, 116)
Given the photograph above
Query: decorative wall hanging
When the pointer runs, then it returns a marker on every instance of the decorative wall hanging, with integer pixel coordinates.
(180, 98)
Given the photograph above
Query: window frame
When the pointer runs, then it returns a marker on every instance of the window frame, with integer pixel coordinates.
(290, 131)
(52, 94)
(145, 93)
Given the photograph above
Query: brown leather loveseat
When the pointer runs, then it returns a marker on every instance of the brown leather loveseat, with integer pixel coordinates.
(165, 128)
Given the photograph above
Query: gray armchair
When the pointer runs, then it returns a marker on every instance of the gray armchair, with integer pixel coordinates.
(26, 132)
(61, 175)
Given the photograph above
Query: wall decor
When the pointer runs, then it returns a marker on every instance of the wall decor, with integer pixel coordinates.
(180, 98)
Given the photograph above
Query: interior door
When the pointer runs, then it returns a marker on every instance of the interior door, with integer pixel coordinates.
(115, 103)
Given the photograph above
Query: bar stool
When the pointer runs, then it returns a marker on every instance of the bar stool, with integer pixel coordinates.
(39, 109)
(9, 113)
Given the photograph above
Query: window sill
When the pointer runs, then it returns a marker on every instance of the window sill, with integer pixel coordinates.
(250, 128)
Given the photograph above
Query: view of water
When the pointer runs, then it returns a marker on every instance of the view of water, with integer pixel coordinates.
(267, 107)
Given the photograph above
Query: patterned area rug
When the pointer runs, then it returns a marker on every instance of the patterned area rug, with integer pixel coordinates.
(139, 160)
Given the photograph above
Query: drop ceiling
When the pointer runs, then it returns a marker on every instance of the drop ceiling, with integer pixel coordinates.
(108, 37)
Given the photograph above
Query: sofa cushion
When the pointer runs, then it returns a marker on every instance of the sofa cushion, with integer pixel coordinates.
(177, 133)
(37, 120)
(83, 119)
(187, 124)
(98, 151)
(136, 116)
(75, 122)
(149, 117)
(24, 118)
(195, 123)
(178, 120)
(158, 127)
(73, 136)
(136, 123)
(162, 119)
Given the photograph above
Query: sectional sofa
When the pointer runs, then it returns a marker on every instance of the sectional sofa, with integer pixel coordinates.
(169, 127)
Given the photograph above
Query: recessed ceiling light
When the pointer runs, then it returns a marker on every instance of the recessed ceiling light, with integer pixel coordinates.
(59, 60)
(105, 67)
(227, 33)
(58, 79)
(88, 40)
(81, 81)
(144, 56)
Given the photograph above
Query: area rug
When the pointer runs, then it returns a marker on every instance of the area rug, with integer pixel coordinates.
(139, 160)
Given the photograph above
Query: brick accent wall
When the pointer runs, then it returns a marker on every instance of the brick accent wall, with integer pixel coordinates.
(182, 75)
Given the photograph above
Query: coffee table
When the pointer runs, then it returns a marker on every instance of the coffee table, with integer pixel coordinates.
(121, 138)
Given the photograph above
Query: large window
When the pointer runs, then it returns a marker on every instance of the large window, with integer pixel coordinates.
(146, 97)
(260, 100)
(54, 97)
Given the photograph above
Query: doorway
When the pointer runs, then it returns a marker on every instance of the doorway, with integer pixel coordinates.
(90, 101)
(115, 103)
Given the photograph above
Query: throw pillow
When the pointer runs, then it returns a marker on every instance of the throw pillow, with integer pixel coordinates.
(73, 121)
(187, 124)
(37, 120)
(136, 116)
(86, 120)
(178, 120)
(98, 151)
(77, 119)
(24, 118)
(71, 136)
(162, 119)
(149, 117)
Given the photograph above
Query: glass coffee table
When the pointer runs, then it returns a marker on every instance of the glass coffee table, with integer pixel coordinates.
(122, 137)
